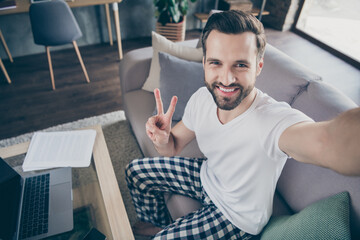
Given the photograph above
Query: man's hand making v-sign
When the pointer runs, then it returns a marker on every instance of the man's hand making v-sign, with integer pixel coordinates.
(168, 141)
(158, 127)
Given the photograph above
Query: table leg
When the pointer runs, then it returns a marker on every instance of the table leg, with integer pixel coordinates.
(117, 27)
(107, 11)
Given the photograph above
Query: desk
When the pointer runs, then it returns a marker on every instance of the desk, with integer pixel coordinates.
(102, 195)
(22, 6)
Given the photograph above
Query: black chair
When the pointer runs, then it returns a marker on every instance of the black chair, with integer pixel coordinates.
(54, 24)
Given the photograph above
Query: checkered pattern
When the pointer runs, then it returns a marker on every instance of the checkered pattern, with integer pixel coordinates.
(149, 178)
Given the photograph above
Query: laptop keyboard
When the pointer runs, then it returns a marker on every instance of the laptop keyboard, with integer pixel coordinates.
(35, 212)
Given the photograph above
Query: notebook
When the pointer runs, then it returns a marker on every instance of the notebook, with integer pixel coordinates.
(34, 214)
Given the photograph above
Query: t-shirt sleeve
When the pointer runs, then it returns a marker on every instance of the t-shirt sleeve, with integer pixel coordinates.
(287, 118)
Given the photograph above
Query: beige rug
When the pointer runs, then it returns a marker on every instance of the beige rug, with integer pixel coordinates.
(123, 148)
(120, 141)
(104, 119)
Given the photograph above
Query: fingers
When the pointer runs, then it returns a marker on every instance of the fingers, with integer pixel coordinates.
(151, 124)
(156, 134)
(150, 129)
(171, 110)
(159, 104)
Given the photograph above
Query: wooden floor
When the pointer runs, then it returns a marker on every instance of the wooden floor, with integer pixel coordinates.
(29, 104)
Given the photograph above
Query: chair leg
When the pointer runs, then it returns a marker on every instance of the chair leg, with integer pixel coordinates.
(5, 72)
(81, 61)
(50, 67)
(6, 47)
(107, 11)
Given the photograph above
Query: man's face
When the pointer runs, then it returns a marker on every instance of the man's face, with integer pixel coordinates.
(231, 67)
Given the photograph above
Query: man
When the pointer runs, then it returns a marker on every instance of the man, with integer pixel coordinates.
(245, 135)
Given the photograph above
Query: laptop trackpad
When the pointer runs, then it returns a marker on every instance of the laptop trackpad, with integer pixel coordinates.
(60, 212)
(60, 198)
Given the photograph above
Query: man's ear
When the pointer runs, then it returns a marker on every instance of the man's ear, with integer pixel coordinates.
(203, 61)
(259, 66)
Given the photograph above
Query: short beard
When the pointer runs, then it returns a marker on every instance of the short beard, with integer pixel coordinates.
(225, 103)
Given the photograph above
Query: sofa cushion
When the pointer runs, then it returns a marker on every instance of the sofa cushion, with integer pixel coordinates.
(180, 205)
(325, 219)
(280, 207)
(282, 77)
(161, 44)
(179, 78)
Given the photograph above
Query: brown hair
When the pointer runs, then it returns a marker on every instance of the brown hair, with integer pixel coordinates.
(235, 22)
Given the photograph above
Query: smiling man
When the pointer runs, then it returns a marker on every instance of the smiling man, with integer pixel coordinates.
(230, 73)
(245, 135)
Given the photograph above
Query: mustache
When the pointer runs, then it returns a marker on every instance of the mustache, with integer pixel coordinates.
(215, 84)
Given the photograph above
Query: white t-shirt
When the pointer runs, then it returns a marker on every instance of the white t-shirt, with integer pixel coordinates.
(244, 158)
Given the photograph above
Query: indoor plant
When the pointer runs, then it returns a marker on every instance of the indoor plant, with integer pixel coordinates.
(171, 18)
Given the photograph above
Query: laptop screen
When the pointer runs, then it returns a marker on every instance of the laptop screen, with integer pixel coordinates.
(10, 192)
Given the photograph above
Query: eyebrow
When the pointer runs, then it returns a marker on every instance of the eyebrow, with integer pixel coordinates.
(212, 60)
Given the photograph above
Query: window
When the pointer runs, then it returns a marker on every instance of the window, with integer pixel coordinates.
(334, 23)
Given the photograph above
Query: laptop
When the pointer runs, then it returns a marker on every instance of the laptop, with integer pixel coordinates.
(18, 204)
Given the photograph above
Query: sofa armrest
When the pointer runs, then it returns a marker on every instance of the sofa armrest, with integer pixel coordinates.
(134, 69)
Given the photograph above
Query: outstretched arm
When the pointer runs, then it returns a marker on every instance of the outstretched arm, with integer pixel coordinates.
(167, 141)
(333, 144)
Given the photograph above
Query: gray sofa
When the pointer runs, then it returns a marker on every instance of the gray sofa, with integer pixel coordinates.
(285, 80)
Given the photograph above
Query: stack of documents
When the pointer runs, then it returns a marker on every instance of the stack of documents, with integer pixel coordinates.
(7, 4)
(59, 149)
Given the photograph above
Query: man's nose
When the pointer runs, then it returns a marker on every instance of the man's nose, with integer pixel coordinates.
(227, 77)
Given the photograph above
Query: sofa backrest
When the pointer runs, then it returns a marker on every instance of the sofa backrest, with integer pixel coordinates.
(303, 184)
(282, 77)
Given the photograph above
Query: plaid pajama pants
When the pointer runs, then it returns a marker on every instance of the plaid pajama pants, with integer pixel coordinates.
(149, 178)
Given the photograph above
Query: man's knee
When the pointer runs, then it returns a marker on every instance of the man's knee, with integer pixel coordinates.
(132, 168)
(130, 165)
(139, 175)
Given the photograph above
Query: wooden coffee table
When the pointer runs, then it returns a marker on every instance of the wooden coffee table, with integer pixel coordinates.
(94, 188)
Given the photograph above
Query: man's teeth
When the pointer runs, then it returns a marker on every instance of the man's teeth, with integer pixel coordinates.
(227, 89)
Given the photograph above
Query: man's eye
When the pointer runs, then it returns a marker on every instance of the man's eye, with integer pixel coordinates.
(214, 63)
(241, 65)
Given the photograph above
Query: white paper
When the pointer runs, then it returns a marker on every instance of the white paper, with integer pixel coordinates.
(59, 149)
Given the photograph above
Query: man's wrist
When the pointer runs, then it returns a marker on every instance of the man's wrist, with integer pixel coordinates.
(166, 149)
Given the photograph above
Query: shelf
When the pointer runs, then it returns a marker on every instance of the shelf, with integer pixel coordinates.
(204, 16)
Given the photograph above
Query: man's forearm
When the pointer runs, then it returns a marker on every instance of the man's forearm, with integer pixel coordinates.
(344, 135)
